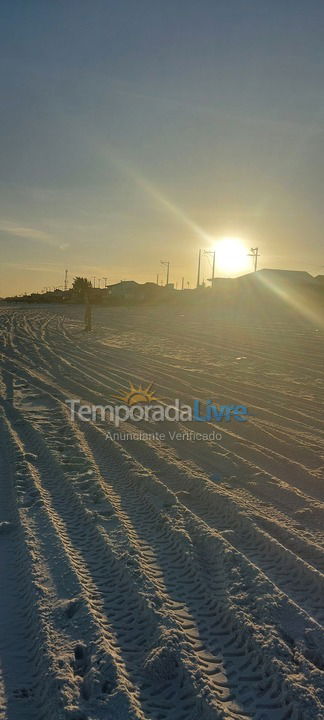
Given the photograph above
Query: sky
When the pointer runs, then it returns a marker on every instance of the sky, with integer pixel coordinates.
(135, 131)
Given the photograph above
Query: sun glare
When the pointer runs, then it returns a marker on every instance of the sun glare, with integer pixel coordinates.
(231, 255)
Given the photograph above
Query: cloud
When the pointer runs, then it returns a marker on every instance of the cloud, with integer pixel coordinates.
(43, 267)
(28, 233)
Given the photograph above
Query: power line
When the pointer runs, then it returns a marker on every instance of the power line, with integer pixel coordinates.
(213, 253)
(167, 264)
(198, 272)
(255, 254)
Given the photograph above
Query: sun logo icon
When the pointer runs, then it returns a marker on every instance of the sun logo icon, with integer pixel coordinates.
(138, 395)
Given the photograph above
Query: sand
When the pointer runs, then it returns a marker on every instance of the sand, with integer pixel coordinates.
(172, 579)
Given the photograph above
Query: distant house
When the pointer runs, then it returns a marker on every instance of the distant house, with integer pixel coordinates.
(268, 276)
(58, 292)
(218, 283)
(124, 290)
(290, 276)
(129, 291)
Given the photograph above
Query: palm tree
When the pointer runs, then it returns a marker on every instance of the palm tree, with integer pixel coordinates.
(81, 287)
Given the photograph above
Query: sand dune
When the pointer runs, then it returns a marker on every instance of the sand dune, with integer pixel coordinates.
(161, 579)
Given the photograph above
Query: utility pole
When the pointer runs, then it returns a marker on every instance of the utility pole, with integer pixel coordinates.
(213, 253)
(255, 254)
(99, 283)
(105, 279)
(157, 278)
(167, 264)
(182, 283)
(94, 282)
(66, 280)
(198, 273)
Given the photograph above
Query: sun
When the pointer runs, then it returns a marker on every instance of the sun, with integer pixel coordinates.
(231, 255)
(138, 395)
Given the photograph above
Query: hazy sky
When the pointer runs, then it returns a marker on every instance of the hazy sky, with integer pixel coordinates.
(131, 128)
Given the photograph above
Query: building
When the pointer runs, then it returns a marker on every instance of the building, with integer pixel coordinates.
(290, 276)
(124, 290)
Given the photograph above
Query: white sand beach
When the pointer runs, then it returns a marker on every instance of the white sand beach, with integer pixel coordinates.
(161, 579)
